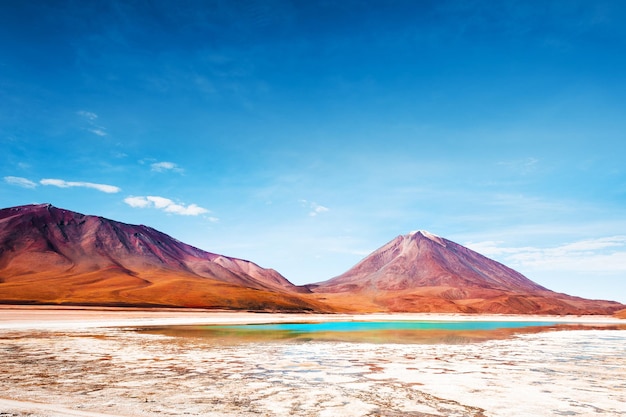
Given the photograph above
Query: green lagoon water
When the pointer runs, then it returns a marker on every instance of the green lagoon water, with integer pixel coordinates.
(359, 331)
(375, 326)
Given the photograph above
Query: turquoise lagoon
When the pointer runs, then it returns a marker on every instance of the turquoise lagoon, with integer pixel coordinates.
(361, 331)
(374, 326)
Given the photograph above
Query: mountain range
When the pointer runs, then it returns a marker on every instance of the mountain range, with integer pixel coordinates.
(49, 255)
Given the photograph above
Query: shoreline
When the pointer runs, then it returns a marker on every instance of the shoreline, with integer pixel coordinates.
(27, 317)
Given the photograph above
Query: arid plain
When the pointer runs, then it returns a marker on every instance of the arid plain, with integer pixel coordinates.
(96, 362)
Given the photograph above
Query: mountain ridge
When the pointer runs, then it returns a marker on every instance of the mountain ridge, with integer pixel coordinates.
(76, 246)
(57, 256)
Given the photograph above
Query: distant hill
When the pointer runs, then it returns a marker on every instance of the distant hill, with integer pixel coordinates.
(422, 272)
(52, 255)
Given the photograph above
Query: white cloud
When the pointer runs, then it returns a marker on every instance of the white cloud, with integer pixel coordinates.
(165, 166)
(87, 115)
(19, 181)
(606, 254)
(98, 131)
(595, 244)
(105, 188)
(314, 207)
(317, 209)
(160, 202)
(137, 202)
(91, 120)
(166, 205)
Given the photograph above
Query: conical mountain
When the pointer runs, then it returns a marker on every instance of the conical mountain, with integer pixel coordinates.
(52, 255)
(423, 272)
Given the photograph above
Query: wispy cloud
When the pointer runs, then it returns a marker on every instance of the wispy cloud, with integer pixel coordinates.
(317, 209)
(98, 131)
(165, 166)
(522, 166)
(19, 181)
(87, 115)
(314, 208)
(105, 188)
(606, 254)
(91, 118)
(167, 205)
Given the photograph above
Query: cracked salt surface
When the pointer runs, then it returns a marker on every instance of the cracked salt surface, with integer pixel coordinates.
(118, 372)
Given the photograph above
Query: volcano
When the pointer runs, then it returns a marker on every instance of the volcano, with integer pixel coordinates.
(422, 272)
(54, 256)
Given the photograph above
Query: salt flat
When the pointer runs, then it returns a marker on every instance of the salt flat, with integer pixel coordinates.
(93, 363)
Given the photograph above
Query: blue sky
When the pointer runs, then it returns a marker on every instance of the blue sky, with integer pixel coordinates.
(302, 135)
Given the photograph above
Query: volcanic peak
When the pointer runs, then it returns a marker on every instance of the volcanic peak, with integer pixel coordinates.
(430, 236)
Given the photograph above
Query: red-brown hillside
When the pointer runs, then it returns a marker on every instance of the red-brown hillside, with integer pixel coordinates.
(421, 272)
(51, 255)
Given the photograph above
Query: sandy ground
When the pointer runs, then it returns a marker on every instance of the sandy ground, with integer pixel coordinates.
(92, 362)
(45, 317)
